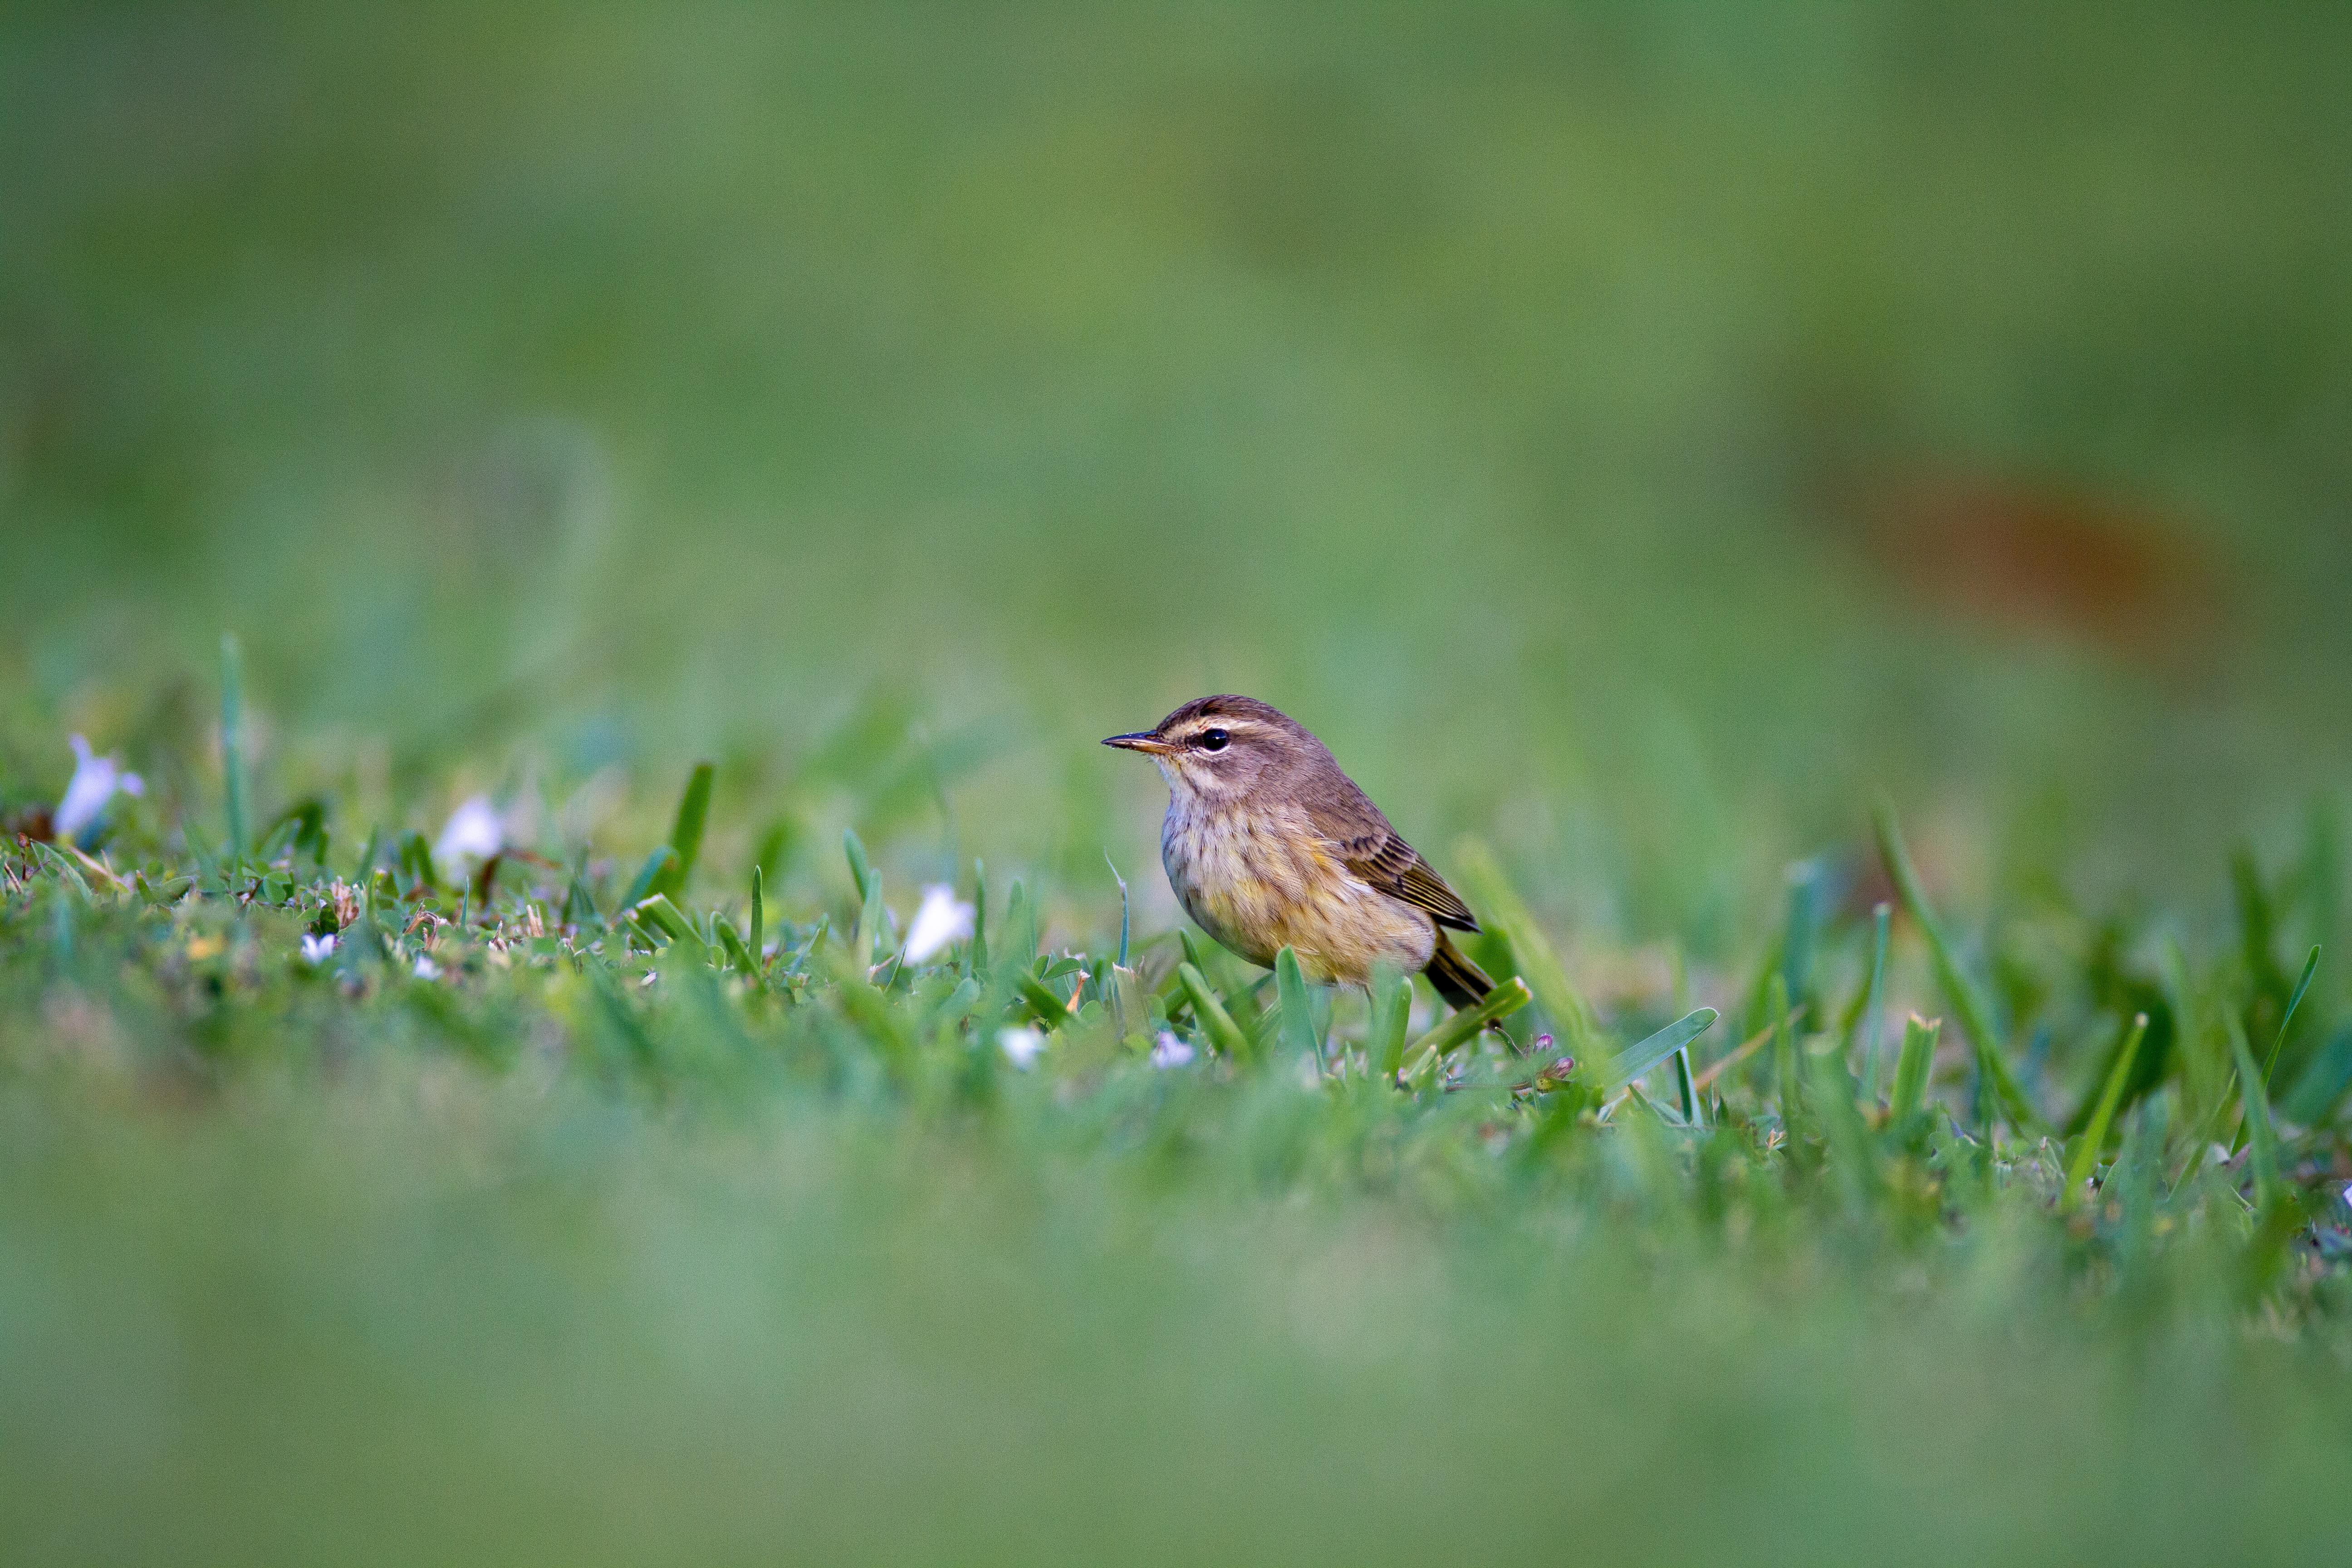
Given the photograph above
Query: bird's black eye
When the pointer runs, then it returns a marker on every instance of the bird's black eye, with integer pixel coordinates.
(1214, 739)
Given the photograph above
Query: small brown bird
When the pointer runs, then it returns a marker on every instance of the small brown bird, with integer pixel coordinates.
(1268, 845)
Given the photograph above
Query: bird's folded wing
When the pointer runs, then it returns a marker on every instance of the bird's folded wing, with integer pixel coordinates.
(1396, 868)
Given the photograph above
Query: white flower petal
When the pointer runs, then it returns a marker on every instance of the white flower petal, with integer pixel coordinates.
(426, 969)
(95, 780)
(315, 948)
(1168, 1051)
(942, 921)
(1022, 1046)
(472, 833)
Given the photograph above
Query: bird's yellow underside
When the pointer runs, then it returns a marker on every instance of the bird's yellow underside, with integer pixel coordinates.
(1260, 880)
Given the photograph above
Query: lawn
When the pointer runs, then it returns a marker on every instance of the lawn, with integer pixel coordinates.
(628, 1018)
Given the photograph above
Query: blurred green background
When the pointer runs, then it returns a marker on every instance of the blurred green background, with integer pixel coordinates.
(1635, 433)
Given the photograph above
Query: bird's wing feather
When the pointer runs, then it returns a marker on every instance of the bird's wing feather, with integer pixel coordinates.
(1374, 851)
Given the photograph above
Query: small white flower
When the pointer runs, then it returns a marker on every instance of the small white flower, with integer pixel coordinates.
(472, 833)
(426, 969)
(942, 921)
(315, 948)
(1168, 1051)
(1022, 1046)
(95, 780)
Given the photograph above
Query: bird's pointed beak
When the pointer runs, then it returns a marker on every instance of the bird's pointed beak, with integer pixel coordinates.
(1142, 741)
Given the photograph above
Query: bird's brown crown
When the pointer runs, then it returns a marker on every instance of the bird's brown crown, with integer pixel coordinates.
(1239, 717)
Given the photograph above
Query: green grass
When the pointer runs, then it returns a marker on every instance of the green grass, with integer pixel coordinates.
(487, 1235)
(762, 451)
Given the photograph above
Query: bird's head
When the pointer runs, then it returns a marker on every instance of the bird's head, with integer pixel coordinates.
(1216, 749)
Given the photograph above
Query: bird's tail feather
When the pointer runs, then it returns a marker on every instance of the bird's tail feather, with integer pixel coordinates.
(1459, 980)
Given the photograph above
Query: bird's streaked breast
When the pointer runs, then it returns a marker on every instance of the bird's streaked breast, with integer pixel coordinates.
(1259, 881)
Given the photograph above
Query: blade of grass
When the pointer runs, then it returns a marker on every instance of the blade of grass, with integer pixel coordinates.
(1804, 922)
(1686, 1098)
(2262, 1138)
(1651, 1117)
(649, 877)
(1050, 1009)
(1459, 1028)
(2310, 967)
(1912, 1066)
(686, 831)
(1685, 1093)
(2202, 1137)
(1215, 1022)
(2244, 1130)
(1193, 954)
(1263, 1027)
(865, 941)
(2078, 1171)
(1300, 1035)
(1784, 1052)
(1122, 908)
(738, 954)
(979, 917)
(415, 859)
(865, 936)
(1853, 1159)
(50, 856)
(759, 915)
(658, 913)
(1966, 999)
(861, 868)
(580, 910)
(1391, 1012)
(61, 931)
(167, 890)
(1873, 1000)
(1130, 1005)
(1021, 925)
(1644, 1054)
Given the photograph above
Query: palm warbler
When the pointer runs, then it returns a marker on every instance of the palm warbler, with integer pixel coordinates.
(1269, 845)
